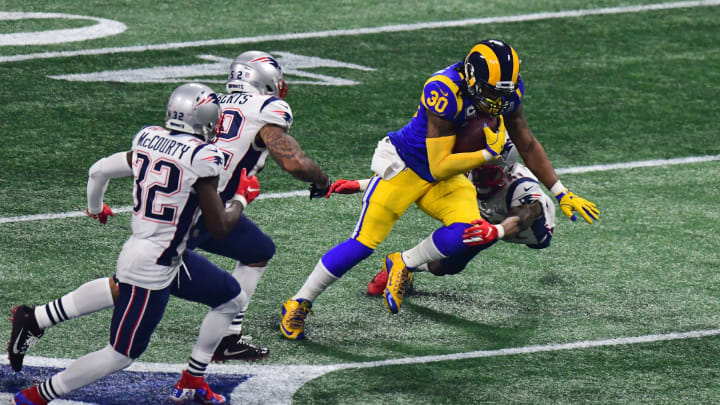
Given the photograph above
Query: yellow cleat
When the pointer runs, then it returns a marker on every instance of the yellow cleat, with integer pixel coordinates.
(398, 279)
(293, 318)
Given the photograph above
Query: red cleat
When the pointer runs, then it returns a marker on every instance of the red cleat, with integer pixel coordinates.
(191, 388)
(28, 396)
(376, 286)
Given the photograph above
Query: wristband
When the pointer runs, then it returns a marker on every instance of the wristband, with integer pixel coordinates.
(500, 231)
(557, 188)
(241, 199)
(363, 184)
(489, 155)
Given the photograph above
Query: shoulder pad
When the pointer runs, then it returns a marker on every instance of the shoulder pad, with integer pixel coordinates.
(276, 111)
(442, 96)
(206, 161)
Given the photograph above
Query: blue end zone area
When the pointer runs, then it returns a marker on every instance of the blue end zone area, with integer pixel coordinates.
(124, 387)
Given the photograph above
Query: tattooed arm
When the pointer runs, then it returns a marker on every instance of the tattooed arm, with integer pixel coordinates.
(290, 156)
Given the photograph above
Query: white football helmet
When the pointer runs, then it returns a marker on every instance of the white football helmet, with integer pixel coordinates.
(256, 72)
(193, 108)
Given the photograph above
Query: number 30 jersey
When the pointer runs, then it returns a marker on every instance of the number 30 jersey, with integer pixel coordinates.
(165, 167)
(443, 96)
(243, 114)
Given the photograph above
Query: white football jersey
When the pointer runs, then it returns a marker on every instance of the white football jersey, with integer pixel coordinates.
(521, 187)
(165, 167)
(243, 114)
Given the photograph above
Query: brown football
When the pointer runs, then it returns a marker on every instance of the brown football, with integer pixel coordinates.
(471, 137)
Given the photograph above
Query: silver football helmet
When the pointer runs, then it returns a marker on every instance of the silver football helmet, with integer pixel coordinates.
(256, 72)
(193, 108)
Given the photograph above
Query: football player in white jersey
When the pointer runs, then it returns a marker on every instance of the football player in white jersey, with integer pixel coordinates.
(176, 172)
(255, 122)
(508, 195)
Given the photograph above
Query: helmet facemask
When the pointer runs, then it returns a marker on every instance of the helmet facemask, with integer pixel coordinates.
(488, 180)
(494, 100)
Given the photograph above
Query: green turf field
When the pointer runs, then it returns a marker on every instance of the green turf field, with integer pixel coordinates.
(606, 88)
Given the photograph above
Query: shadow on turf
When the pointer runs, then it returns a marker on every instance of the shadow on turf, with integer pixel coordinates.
(489, 336)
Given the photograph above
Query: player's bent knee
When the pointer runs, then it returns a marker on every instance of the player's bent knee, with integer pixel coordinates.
(266, 251)
(117, 359)
(232, 306)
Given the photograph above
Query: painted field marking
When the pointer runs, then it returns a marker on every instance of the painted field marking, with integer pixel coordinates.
(366, 31)
(304, 193)
(276, 384)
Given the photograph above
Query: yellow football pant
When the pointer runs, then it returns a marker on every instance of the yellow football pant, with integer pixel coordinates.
(384, 202)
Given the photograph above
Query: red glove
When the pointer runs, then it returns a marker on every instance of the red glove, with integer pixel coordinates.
(248, 189)
(344, 187)
(482, 233)
(103, 215)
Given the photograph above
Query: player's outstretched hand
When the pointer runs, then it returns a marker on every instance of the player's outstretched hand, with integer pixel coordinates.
(481, 233)
(570, 202)
(495, 140)
(248, 189)
(103, 215)
(344, 187)
(317, 191)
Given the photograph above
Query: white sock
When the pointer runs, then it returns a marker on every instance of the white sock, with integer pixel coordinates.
(423, 252)
(86, 299)
(84, 371)
(248, 277)
(318, 281)
(421, 268)
(212, 330)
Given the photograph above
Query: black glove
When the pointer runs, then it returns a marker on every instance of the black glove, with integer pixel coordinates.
(319, 191)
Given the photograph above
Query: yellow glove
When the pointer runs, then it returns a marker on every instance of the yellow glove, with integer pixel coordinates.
(569, 202)
(495, 140)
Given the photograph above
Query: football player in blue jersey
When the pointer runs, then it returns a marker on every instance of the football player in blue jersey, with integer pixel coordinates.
(508, 196)
(416, 165)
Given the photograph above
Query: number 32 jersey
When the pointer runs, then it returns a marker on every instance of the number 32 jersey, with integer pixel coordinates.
(165, 167)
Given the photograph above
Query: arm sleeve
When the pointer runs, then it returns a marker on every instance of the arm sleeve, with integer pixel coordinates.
(444, 164)
(99, 176)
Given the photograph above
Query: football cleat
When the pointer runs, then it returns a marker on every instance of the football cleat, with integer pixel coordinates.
(376, 286)
(398, 279)
(25, 333)
(28, 396)
(191, 388)
(294, 312)
(234, 347)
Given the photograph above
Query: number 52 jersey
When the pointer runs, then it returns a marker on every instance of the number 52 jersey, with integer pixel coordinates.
(165, 167)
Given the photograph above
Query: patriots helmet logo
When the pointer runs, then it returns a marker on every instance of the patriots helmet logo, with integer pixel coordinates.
(269, 60)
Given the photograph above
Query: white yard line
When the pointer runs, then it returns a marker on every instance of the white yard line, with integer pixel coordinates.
(304, 193)
(286, 379)
(366, 31)
(276, 384)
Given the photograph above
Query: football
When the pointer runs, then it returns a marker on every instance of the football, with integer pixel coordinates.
(471, 137)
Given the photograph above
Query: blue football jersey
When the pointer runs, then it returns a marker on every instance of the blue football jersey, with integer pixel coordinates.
(443, 96)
